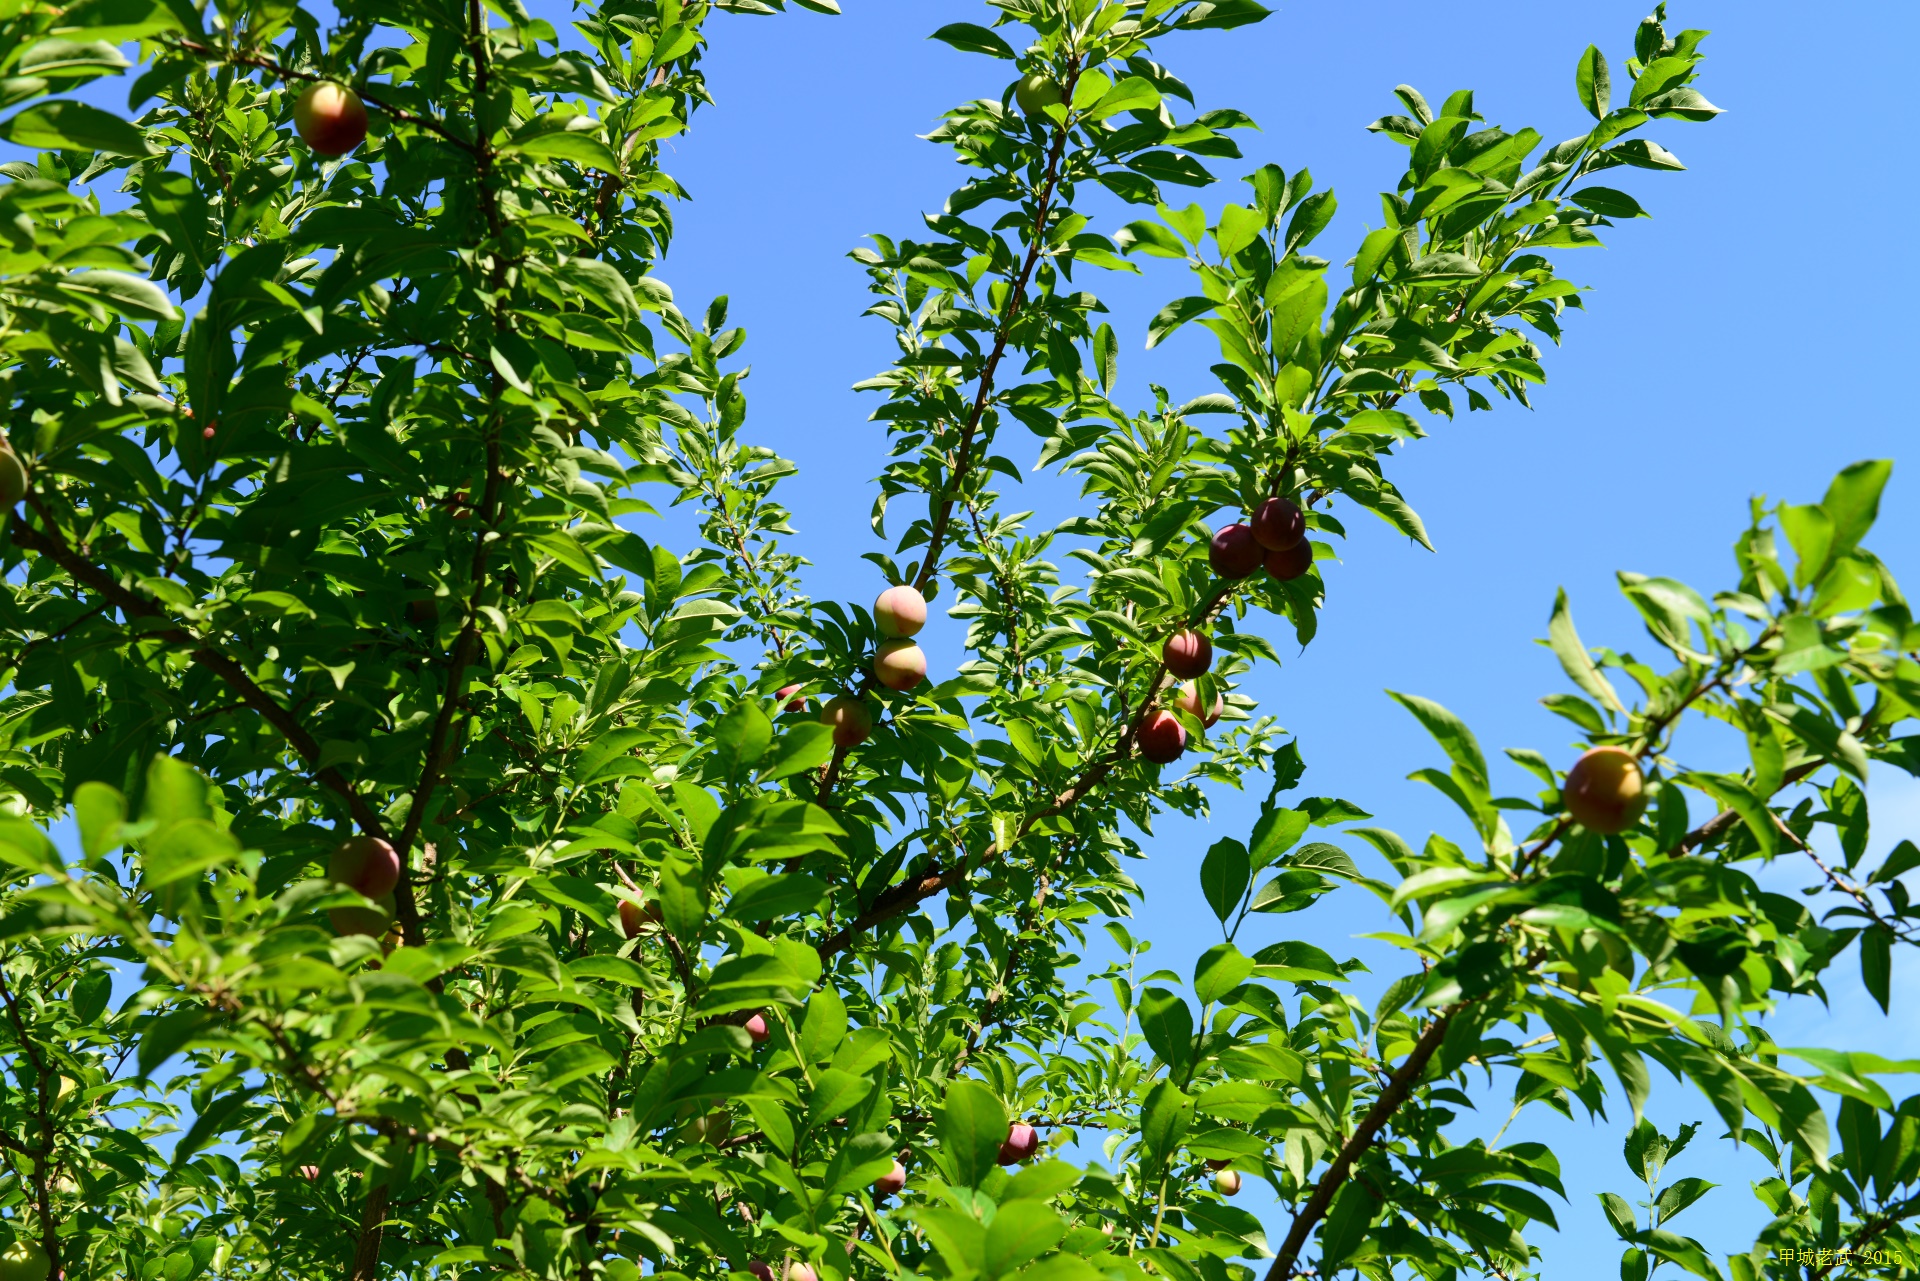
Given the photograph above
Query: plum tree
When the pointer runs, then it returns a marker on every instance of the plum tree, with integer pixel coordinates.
(1605, 790)
(330, 118)
(664, 979)
(1188, 653)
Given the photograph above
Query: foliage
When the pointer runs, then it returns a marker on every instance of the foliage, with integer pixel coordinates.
(328, 464)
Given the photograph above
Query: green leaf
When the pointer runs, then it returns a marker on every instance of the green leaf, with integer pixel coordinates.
(773, 897)
(1594, 82)
(1167, 1023)
(825, 1026)
(1574, 659)
(1876, 963)
(168, 1034)
(1175, 314)
(1310, 219)
(91, 992)
(972, 38)
(802, 747)
(582, 149)
(1223, 15)
(1165, 1118)
(61, 125)
(1346, 1226)
(176, 792)
(1220, 969)
(1224, 876)
(972, 1126)
(1041, 1181)
(1276, 833)
(1449, 731)
(1680, 1194)
(683, 901)
(836, 1093)
(127, 295)
(1020, 1232)
(1852, 503)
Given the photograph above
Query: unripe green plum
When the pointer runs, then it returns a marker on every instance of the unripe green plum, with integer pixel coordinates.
(850, 719)
(899, 611)
(1235, 552)
(1605, 790)
(1161, 738)
(1036, 92)
(330, 118)
(365, 863)
(899, 664)
(635, 919)
(1279, 524)
(24, 1261)
(1188, 653)
(1227, 1182)
(13, 478)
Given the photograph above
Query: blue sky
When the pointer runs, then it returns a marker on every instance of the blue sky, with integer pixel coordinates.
(1744, 340)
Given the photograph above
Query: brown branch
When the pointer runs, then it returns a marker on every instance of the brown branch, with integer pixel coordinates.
(1716, 827)
(1399, 1087)
(943, 511)
(1010, 605)
(366, 1247)
(433, 767)
(43, 1158)
(49, 543)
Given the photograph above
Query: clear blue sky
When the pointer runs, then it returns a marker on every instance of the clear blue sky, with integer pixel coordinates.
(1747, 339)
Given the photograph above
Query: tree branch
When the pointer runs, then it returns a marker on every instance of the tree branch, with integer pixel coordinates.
(943, 510)
(49, 543)
(1399, 1086)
